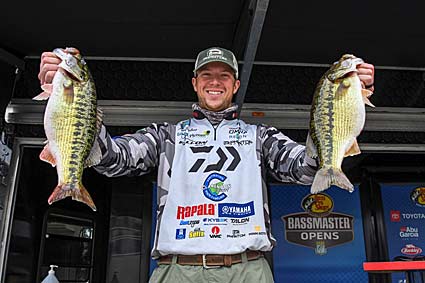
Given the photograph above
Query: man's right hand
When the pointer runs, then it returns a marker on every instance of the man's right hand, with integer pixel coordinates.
(48, 67)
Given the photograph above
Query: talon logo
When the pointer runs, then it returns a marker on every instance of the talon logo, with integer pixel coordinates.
(214, 187)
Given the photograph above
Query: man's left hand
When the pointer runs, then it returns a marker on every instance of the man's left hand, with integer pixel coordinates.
(367, 75)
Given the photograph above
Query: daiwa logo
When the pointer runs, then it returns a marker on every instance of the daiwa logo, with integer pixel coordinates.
(236, 210)
(198, 210)
(213, 189)
(410, 249)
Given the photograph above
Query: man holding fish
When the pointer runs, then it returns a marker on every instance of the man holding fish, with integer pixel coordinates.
(212, 169)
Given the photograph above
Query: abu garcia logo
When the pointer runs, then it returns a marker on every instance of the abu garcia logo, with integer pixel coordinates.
(214, 187)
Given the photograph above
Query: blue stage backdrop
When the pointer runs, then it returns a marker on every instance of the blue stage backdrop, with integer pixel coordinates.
(404, 211)
(319, 237)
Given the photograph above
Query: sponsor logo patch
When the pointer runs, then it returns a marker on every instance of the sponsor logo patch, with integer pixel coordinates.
(214, 187)
(236, 210)
(418, 196)
(395, 215)
(215, 221)
(411, 249)
(236, 234)
(195, 210)
(409, 232)
(197, 233)
(180, 234)
(215, 232)
(189, 222)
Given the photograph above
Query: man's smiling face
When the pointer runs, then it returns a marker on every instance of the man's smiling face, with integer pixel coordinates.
(215, 85)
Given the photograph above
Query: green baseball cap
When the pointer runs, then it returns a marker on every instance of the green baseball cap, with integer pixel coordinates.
(216, 54)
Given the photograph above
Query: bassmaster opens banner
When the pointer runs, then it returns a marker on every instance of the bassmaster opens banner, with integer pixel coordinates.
(319, 237)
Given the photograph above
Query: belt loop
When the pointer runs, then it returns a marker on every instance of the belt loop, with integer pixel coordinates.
(174, 259)
(244, 257)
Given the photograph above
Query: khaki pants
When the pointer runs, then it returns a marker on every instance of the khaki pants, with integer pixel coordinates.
(254, 271)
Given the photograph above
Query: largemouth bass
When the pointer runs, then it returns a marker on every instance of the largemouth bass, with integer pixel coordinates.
(337, 117)
(71, 121)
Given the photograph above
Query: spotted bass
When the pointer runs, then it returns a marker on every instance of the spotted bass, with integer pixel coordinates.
(71, 122)
(337, 117)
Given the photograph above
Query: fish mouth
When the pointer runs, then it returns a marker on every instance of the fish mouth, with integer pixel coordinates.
(70, 63)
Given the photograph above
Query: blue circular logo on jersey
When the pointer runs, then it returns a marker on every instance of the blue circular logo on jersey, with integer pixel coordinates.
(214, 186)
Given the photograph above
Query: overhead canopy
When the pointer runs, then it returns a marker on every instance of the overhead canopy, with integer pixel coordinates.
(385, 33)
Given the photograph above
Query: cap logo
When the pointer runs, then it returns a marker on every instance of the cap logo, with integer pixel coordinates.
(214, 52)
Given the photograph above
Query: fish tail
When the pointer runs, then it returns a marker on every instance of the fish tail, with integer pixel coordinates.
(78, 193)
(327, 177)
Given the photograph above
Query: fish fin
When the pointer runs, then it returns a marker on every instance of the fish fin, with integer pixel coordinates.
(310, 147)
(78, 193)
(95, 155)
(327, 177)
(47, 88)
(353, 150)
(42, 96)
(47, 156)
(99, 118)
(68, 92)
(366, 94)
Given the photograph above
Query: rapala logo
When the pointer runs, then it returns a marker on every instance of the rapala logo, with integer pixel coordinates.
(395, 215)
(410, 249)
(198, 210)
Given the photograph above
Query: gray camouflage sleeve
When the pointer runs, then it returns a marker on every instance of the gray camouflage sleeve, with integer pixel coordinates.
(285, 159)
(131, 154)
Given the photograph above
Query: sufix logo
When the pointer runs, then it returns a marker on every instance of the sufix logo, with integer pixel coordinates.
(411, 249)
(395, 215)
(215, 232)
(197, 233)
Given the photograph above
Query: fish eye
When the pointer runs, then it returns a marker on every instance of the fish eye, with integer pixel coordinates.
(345, 64)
